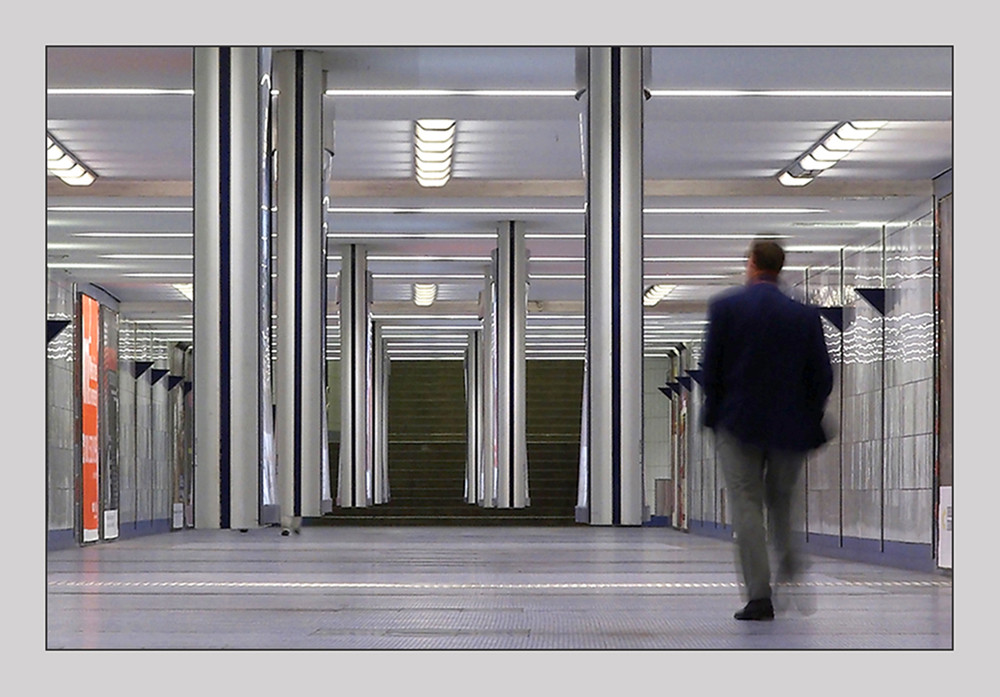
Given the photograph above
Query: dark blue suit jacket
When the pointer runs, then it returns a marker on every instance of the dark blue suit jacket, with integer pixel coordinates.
(765, 368)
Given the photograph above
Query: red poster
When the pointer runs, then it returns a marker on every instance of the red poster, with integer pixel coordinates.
(88, 370)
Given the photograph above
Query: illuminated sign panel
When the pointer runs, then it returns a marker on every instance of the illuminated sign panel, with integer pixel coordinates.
(90, 340)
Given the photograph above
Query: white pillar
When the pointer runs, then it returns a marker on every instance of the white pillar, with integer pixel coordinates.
(614, 285)
(227, 298)
(511, 312)
(381, 367)
(301, 278)
(487, 475)
(474, 410)
(356, 477)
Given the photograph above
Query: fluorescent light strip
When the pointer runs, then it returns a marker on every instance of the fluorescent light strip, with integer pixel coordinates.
(363, 92)
(561, 211)
(159, 321)
(426, 317)
(160, 257)
(417, 276)
(415, 258)
(830, 149)
(421, 328)
(424, 294)
(412, 236)
(706, 236)
(121, 209)
(443, 211)
(686, 277)
(65, 165)
(548, 317)
(801, 93)
(442, 350)
(120, 91)
(74, 265)
(347, 92)
(423, 336)
(154, 274)
(136, 235)
(741, 211)
(721, 260)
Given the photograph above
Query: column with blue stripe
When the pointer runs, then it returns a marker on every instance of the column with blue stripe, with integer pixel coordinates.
(227, 305)
(301, 252)
(613, 295)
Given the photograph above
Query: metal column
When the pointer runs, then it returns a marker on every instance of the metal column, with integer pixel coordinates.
(487, 475)
(474, 409)
(227, 298)
(356, 477)
(381, 367)
(301, 250)
(614, 286)
(510, 315)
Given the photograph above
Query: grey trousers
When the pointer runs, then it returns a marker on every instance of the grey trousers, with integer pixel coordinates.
(756, 478)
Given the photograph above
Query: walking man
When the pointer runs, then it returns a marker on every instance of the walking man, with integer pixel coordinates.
(767, 376)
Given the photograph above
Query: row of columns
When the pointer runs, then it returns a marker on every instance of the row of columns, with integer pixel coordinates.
(230, 416)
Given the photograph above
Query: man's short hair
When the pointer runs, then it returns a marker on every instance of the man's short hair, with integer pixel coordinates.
(767, 255)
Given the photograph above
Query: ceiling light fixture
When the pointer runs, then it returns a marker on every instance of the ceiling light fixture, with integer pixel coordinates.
(828, 151)
(185, 289)
(350, 92)
(62, 163)
(655, 294)
(119, 91)
(833, 94)
(424, 294)
(433, 145)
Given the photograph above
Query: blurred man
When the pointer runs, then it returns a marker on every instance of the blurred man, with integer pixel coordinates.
(767, 376)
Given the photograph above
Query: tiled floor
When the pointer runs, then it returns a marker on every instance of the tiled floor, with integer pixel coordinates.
(468, 588)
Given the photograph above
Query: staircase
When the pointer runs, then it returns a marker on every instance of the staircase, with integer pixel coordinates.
(427, 449)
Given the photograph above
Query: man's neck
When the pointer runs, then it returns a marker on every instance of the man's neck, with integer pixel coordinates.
(763, 277)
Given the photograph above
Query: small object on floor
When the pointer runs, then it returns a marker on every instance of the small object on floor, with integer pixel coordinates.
(760, 609)
(284, 533)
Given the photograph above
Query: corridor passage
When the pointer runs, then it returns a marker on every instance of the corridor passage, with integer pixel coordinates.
(489, 588)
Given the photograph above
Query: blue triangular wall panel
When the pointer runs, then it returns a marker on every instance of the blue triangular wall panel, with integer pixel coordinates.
(835, 315)
(874, 296)
(53, 327)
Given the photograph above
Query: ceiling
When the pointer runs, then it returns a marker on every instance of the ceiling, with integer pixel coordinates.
(720, 124)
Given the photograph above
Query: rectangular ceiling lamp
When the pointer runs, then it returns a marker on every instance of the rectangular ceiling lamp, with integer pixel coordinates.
(654, 294)
(424, 294)
(433, 144)
(62, 163)
(828, 151)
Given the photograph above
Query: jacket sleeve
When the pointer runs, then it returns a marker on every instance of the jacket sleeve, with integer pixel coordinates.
(711, 368)
(820, 372)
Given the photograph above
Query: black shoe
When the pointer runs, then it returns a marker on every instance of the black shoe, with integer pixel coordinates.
(761, 609)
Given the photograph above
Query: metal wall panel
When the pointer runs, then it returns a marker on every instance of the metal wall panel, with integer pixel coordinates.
(59, 430)
(143, 448)
(126, 441)
(909, 410)
(162, 467)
